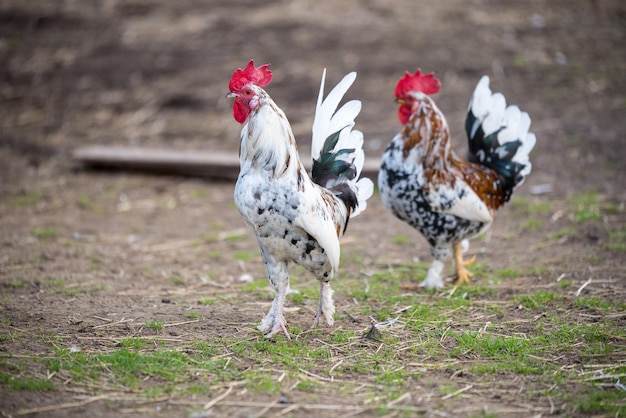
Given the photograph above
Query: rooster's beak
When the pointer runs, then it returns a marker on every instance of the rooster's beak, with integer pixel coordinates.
(400, 101)
(230, 95)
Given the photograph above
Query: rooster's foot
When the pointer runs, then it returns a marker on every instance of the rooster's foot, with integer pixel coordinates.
(433, 278)
(463, 274)
(272, 325)
(326, 307)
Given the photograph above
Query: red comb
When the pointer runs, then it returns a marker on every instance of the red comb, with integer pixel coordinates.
(260, 76)
(425, 83)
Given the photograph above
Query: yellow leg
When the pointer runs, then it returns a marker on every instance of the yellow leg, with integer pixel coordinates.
(463, 274)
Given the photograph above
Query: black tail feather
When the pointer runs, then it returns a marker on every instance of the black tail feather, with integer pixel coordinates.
(333, 173)
(488, 151)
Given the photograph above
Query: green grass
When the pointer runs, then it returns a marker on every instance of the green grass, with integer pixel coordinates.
(45, 234)
(508, 273)
(542, 338)
(176, 281)
(30, 198)
(602, 401)
(193, 315)
(539, 299)
(585, 207)
(438, 332)
(531, 212)
(154, 325)
(26, 383)
(617, 239)
(401, 240)
(245, 255)
(563, 232)
(207, 301)
(593, 302)
(522, 204)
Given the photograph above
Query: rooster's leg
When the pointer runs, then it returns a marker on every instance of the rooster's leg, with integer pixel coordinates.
(463, 274)
(326, 306)
(433, 277)
(274, 322)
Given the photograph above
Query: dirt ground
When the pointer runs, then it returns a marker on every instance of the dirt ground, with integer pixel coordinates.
(154, 73)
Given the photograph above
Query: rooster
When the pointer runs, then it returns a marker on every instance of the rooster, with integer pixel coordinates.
(447, 198)
(296, 217)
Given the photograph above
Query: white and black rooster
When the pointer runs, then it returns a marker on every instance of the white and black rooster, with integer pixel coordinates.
(296, 217)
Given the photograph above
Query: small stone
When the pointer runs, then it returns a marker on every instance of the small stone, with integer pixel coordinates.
(246, 278)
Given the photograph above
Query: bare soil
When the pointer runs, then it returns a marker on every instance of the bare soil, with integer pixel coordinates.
(154, 73)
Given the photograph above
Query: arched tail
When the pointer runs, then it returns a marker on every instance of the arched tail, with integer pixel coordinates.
(499, 136)
(337, 149)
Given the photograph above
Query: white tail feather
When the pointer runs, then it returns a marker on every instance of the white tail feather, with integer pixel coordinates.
(329, 120)
(365, 190)
(492, 114)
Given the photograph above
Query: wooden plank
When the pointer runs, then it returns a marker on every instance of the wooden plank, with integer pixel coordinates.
(217, 165)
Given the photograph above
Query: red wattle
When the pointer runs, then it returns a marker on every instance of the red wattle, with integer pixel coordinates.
(240, 111)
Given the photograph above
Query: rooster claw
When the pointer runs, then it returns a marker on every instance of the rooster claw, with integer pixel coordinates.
(278, 327)
(463, 274)
(273, 324)
(330, 321)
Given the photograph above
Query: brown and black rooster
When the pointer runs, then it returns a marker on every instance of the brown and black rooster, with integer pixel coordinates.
(447, 198)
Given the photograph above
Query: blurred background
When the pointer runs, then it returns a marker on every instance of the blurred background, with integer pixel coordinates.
(154, 73)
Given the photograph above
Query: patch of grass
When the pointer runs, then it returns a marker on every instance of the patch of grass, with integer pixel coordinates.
(297, 297)
(538, 300)
(508, 273)
(593, 302)
(154, 325)
(532, 224)
(28, 383)
(617, 239)
(209, 238)
(84, 201)
(199, 193)
(600, 400)
(538, 271)
(401, 240)
(396, 377)
(207, 301)
(520, 61)
(567, 231)
(17, 284)
(259, 382)
(133, 342)
(235, 236)
(585, 207)
(53, 282)
(193, 315)
(30, 198)
(214, 255)
(490, 345)
(530, 209)
(45, 234)
(593, 259)
(244, 255)
(176, 281)
(574, 139)
(564, 284)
